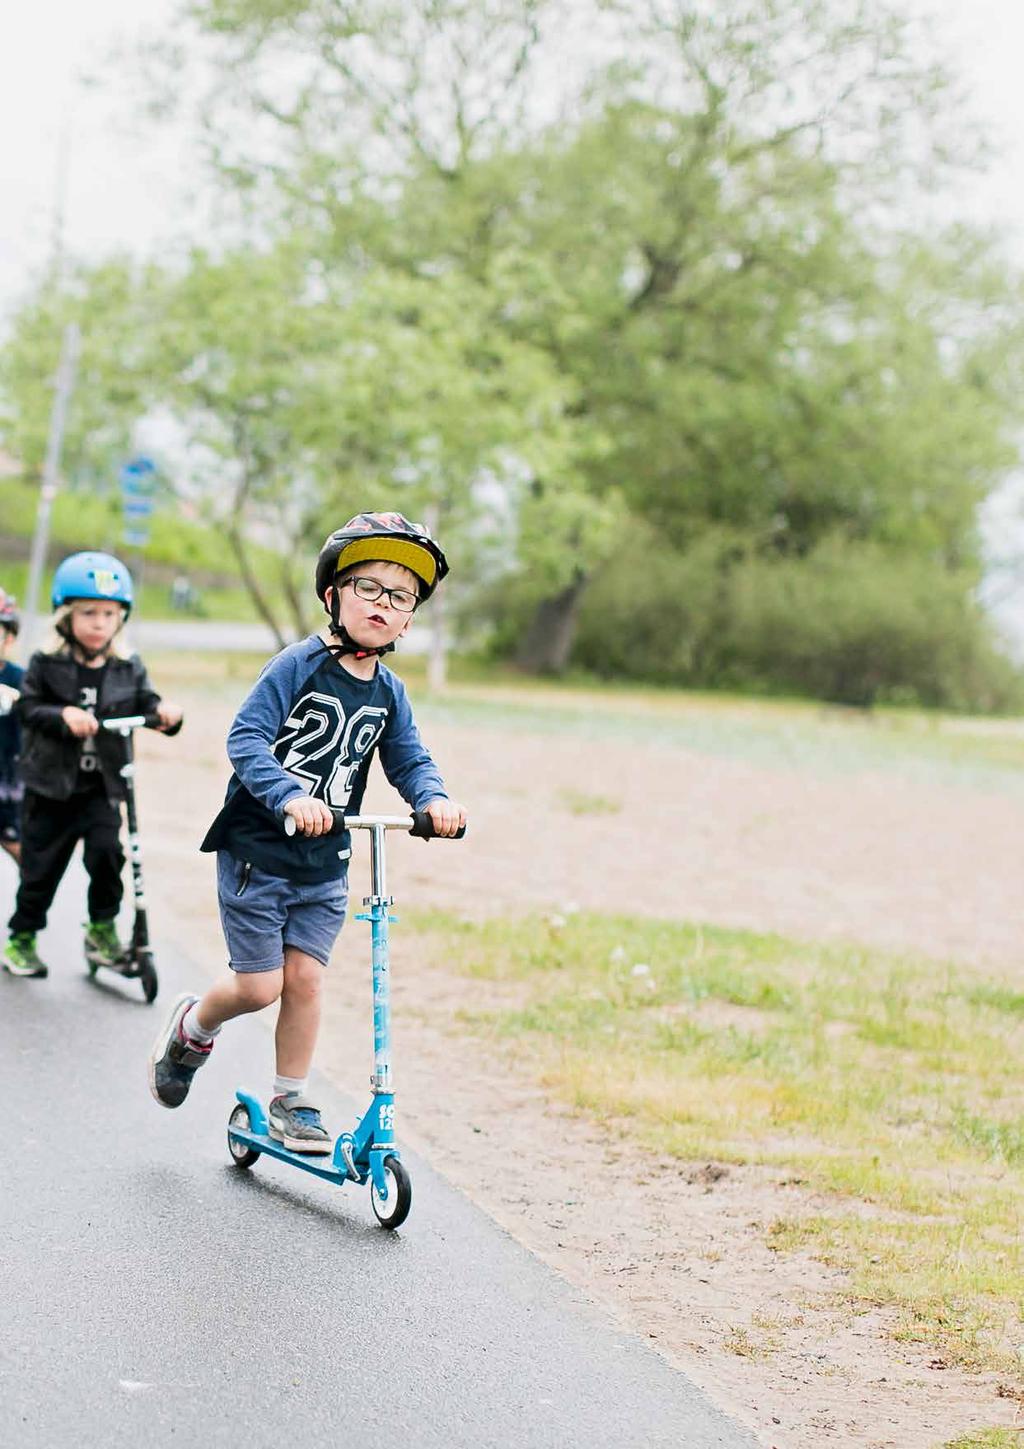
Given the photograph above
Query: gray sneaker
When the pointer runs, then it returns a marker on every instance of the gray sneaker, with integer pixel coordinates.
(175, 1058)
(295, 1123)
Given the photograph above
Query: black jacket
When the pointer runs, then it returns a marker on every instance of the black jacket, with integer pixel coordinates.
(50, 752)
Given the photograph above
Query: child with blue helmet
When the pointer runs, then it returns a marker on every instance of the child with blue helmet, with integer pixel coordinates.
(11, 675)
(70, 768)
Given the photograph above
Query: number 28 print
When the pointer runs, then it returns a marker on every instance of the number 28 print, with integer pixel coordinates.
(324, 749)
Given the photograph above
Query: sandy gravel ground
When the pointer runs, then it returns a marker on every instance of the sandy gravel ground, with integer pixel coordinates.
(676, 1250)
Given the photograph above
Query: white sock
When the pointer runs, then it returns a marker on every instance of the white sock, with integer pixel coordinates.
(286, 1086)
(193, 1028)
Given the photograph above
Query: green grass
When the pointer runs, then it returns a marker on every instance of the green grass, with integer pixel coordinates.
(152, 599)
(811, 738)
(988, 1439)
(85, 520)
(82, 518)
(876, 1079)
(925, 746)
(929, 748)
(583, 802)
(208, 675)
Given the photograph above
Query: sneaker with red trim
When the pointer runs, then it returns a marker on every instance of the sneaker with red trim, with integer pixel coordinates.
(175, 1058)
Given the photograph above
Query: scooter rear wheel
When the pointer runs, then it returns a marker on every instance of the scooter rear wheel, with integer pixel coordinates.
(241, 1155)
(148, 979)
(393, 1213)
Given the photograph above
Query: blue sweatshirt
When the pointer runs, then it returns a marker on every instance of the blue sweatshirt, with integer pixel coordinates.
(309, 727)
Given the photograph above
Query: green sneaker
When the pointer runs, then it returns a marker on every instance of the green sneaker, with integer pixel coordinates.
(20, 957)
(102, 946)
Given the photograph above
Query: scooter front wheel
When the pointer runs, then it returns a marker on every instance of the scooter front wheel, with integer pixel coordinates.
(241, 1155)
(393, 1213)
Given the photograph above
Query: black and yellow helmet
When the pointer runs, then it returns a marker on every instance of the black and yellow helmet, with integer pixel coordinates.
(387, 536)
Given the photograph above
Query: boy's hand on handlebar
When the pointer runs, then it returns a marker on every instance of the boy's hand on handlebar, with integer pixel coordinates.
(312, 817)
(448, 818)
(79, 721)
(169, 715)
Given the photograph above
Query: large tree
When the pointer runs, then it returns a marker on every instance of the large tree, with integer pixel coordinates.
(701, 244)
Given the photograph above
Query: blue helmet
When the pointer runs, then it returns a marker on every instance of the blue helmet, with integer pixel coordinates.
(92, 576)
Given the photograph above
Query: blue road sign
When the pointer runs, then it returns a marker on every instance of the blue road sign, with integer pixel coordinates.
(138, 471)
(138, 481)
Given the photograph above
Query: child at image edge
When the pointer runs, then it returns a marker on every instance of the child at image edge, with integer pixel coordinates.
(302, 743)
(70, 767)
(11, 675)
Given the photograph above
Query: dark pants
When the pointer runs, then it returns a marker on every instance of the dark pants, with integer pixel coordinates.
(50, 830)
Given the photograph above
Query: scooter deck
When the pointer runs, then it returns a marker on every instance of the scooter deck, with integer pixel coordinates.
(319, 1166)
(125, 966)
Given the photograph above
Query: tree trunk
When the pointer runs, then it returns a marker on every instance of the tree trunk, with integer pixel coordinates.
(237, 542)
(548, 640)
(295, 603)
(236, 537)
(437, 660)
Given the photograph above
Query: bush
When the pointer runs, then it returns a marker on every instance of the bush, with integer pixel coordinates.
(658, 615)
(850, 623)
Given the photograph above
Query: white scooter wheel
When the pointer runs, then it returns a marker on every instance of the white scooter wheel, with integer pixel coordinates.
(393, 1213)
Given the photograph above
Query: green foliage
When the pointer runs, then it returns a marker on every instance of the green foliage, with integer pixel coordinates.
(83, 518)
(114, 305)
(858, 624)
(854, 623)
(994, 1438)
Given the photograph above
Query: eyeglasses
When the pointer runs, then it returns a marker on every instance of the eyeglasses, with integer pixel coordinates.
(404, 600)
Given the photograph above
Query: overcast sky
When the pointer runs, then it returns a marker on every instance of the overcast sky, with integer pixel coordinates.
(122, 191)
(128, 190)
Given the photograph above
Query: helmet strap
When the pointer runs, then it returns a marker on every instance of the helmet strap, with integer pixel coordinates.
(346, 644)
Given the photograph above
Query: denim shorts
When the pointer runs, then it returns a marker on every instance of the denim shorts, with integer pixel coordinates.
(261, 914)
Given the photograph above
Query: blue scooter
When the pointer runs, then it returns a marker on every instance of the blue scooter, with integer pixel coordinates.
(369, 1153)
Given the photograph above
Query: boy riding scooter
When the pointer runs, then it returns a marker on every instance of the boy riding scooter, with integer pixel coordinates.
(301, 744)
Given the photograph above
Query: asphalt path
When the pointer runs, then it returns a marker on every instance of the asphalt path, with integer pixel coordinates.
(152, 1294)
(150, 636)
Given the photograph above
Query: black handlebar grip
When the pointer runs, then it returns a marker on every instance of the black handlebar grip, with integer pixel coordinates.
(290, 827)
(423, 828)
(153, 723)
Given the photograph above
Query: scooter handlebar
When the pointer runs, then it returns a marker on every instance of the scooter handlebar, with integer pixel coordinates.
(418, 823)
(125, 723)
